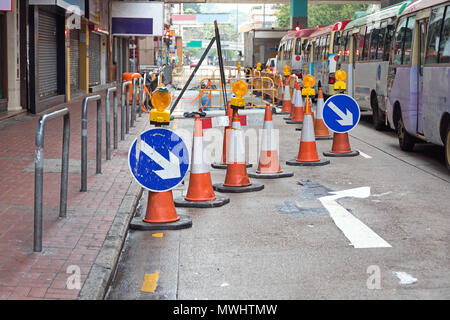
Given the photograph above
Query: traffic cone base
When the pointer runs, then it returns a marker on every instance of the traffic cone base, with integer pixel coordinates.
(218, 202)
(262, 175)
(220, 187)
(321, 162)
(161, 214)
(224, 165)
(347, 154)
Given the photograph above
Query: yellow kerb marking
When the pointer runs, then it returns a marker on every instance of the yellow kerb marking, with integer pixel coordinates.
(158, 235)
(150, 282)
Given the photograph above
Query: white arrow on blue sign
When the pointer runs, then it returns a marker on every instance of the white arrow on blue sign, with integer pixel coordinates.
(341, 113)
(158, 159)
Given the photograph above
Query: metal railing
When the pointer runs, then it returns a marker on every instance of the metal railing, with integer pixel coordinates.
(39, 172)
(108, 115)
(125, 115)
(133, 102)
(86, 101)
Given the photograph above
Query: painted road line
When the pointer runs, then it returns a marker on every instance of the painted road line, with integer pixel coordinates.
(364, 155)
(150, 282)
(360, 235)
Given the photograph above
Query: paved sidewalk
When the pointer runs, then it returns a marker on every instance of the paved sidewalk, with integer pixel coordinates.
(75, 240)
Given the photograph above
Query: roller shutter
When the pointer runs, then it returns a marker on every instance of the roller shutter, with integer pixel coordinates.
(47, 46)
(94, 59)
(74, 60)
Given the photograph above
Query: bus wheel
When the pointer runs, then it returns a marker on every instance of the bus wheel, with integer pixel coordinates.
(447, 148)
(378, 122)
(405, 140)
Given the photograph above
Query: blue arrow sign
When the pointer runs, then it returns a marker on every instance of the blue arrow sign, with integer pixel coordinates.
(341, 113)
(158, 159)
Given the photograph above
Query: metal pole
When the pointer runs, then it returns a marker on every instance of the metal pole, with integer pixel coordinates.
(133, 103)
(64, 167)
(221, 68)
(186, 85)
(115, 106)
(84, 139)
(99, 137)
(124, 125)
(141, 95)
(39, 173)
(108, 125)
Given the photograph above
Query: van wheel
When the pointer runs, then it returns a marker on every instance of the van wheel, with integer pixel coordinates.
(405, 140)
(377, 119)
(447, 148)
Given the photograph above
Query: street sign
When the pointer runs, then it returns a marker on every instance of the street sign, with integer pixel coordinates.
(158, 159)
(341, 113)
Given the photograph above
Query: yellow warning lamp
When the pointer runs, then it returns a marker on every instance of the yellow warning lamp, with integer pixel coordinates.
(239, 65)
(340, 76)
(268, 69)
(287, 70)
(160, 101)
(258, 66)
(308, 84)
(240, 89)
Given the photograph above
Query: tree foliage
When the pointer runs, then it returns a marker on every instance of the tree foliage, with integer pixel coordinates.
(321, 14)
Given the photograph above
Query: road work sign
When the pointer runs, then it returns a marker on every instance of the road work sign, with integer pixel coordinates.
(158, 159)
(341, 113)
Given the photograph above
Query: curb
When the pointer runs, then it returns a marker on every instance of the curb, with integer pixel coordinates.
(102, 271)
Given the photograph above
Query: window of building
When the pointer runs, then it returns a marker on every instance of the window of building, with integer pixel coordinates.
(444, 46)
(407, 48)
(434, 33)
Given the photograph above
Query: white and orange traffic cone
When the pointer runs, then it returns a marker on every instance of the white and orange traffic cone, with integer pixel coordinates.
(298, 113)
(341, 146)
(200, 192)
(307, 155)
(320, 129)
(236, 179)
(226, 142)
(286, 109)
(269, 164)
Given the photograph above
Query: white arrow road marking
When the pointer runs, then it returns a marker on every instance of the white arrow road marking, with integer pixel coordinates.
(360, 235)
(171, 169)
(347, 119)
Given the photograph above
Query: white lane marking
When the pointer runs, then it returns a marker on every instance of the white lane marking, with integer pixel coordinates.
(405, 278)
(364, 155)
(382, 194)
(360, 235)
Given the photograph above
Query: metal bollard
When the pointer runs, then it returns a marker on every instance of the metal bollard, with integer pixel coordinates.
(133, 103)
(39, 173)
(141, 95)
(124, 125)
(108, 116)
(86, 100)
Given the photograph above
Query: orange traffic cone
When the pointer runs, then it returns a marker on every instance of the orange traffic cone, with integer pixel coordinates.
(269, 164)
(307, 155)
(225, 145)
(286, 109)
(293, 100)
(320, 129)
(200, 193)
(161, 214)
(298, 108)
(341, 147)
(236, 179)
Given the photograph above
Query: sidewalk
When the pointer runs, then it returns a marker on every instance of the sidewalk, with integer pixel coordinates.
(75, 240)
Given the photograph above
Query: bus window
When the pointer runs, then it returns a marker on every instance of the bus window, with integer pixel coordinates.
(373, 44)
(327, 47)
(444, 47)
(387, 42)
(298, 47)
(336, 42)
(365, 55)
(434, 31)
(407, 49)
(346, 52)
(380, 45)
(317, 50)
(398, 41)
(360, 43)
